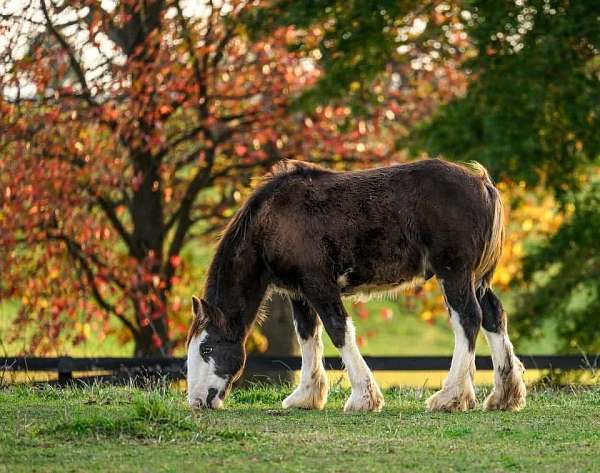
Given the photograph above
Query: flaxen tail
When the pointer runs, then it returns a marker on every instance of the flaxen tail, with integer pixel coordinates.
(492, 249)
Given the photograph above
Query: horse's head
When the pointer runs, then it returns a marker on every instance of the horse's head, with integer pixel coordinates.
(215, 356)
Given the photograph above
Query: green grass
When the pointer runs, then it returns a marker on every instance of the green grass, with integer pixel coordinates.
(126, 429)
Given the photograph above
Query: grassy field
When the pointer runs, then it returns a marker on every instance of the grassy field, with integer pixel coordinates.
(126, 429)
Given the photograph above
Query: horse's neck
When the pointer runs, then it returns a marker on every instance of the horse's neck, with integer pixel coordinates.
(236, 284)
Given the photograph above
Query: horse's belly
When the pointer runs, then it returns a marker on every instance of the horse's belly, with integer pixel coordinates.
(364, 292)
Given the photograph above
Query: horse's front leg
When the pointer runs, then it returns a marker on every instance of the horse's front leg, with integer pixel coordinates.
(312, 391)
(366, 395)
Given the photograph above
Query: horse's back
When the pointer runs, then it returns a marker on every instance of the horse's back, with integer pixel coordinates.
(309, 197)
(379, 226)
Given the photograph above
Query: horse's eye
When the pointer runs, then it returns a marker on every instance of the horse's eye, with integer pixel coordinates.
(205, 350)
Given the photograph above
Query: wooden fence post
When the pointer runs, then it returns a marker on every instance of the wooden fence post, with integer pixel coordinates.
(65, 370)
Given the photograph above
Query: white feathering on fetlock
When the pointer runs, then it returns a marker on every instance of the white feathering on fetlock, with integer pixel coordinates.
(366, 395)
(311, 395)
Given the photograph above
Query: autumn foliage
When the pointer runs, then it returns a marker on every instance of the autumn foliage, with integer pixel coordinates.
(131, 133)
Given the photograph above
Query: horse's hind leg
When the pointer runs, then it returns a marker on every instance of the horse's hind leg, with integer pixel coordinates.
(366, 395)
(312, 391)
(457, 393)
(509, 389)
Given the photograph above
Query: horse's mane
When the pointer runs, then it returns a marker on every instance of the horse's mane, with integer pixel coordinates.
(235, 233)
(237, 226)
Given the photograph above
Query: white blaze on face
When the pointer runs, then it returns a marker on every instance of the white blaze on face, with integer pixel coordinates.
(201, 376)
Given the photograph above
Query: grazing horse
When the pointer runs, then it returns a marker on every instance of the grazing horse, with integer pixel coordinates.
(318, 235)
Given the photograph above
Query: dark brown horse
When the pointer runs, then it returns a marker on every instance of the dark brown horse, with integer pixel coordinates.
(318, 235)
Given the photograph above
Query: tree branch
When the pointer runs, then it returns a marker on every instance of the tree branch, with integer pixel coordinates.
(76, 252)
(198, 73)
(72, 59)
(109, 209)
(183, 214)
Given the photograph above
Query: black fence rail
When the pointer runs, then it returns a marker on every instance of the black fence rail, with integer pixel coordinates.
(174, 368)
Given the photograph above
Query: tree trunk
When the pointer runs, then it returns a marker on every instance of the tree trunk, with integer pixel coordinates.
(150, 299)
(279, 328)
(280, 332)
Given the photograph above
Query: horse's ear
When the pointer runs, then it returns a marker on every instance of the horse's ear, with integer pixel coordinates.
(196, 310)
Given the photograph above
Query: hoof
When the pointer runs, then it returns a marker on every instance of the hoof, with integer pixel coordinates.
(368, 399)
(450, 401)
(510, 396)
(309, 396)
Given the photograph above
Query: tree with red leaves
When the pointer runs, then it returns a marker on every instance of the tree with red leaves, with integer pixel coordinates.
(126, 133)
(130, 129)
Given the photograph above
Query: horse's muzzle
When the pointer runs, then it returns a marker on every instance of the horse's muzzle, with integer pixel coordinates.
(213, 401)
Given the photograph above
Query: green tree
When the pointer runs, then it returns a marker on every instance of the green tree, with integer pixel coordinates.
(533, 107)
(563, 278)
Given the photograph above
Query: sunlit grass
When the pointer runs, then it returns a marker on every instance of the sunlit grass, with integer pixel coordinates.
(101, 428)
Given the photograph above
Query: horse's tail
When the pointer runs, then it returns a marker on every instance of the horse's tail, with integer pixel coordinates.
(494, 240)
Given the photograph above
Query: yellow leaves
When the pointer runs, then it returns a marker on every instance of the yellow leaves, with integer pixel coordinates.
(502, 276)
(256, 342)
(536, 217)
(502, 187)
(426, 316)
(517, 249)
(84, 329)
